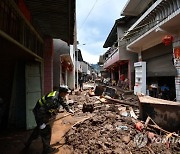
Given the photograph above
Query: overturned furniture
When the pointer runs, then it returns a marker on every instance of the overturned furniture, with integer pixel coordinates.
(106, 90)
(99, 90)
(165, 113)
(110, 91)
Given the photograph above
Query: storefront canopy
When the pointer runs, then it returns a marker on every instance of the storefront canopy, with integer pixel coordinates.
(54, 18)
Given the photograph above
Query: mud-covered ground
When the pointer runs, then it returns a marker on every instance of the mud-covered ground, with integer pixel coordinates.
(111, 131)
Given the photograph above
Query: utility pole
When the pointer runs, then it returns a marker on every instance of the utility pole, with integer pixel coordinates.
(77, 51)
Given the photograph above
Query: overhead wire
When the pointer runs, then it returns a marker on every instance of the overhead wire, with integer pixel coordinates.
(88, 15)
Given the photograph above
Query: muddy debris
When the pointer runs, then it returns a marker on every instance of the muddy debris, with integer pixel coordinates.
(109, 131)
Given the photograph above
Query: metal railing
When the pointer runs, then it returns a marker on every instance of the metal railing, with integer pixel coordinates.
(111, 55)
(156, 16)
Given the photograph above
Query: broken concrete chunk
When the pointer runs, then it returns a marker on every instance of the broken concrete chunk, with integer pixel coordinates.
(80, 106)
(126, 139)
(122, 108)
(132, 114)
(124, 113)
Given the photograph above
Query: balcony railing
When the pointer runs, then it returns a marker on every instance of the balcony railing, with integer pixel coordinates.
(111, 55)
(14, 24)
(157, 13)
(112, 58)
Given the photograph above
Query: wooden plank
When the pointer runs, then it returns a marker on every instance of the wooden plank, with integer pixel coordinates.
(119, 101)
(152, 100)
(165, 113)
(82, 120)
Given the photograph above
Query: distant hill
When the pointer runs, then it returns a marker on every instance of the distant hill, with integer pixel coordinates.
(95, 67)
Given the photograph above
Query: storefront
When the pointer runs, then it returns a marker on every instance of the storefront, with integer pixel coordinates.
(160, 70)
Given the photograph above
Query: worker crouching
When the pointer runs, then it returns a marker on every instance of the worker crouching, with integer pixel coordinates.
(43, 111)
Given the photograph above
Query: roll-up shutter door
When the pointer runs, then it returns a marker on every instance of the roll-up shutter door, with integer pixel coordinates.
(161, 66)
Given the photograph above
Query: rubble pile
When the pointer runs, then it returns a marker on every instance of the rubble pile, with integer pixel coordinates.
(114, 129)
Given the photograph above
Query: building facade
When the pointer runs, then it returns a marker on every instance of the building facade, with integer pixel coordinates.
(118, 60)
(155, 38)
(63, 64)
(78, 67)
(86, 71)
(27, 29)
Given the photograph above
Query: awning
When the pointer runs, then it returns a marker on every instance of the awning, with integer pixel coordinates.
(54, 18)
(60, 47)
(161, 66)
(135, 7)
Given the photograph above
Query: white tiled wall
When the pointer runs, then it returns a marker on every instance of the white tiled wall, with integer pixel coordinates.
(177, 65)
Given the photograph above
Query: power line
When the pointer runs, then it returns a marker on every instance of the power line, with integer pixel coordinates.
(88, 15)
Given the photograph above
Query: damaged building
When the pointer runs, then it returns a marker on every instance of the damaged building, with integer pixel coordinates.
(155, 38)
(144, 47)
(27, 29)
(119, 61)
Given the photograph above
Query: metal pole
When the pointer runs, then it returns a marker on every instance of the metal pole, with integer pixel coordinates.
(60, 81)
(77, 69)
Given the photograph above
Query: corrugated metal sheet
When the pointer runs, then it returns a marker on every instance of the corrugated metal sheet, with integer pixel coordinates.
(135, 7)
(54, 18)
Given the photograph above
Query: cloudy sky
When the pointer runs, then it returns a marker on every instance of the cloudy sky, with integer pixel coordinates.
(95, 19)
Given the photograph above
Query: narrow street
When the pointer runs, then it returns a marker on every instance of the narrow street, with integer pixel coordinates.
(90, 76)
(110, 128)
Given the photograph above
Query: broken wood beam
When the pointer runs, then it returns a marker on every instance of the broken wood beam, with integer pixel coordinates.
(165, 131)
(81, 121)
(165, 113)
(119, 101)
(157, 127)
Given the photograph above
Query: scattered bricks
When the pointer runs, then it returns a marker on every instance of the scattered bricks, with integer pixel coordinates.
(110, 115)
(113, 108)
